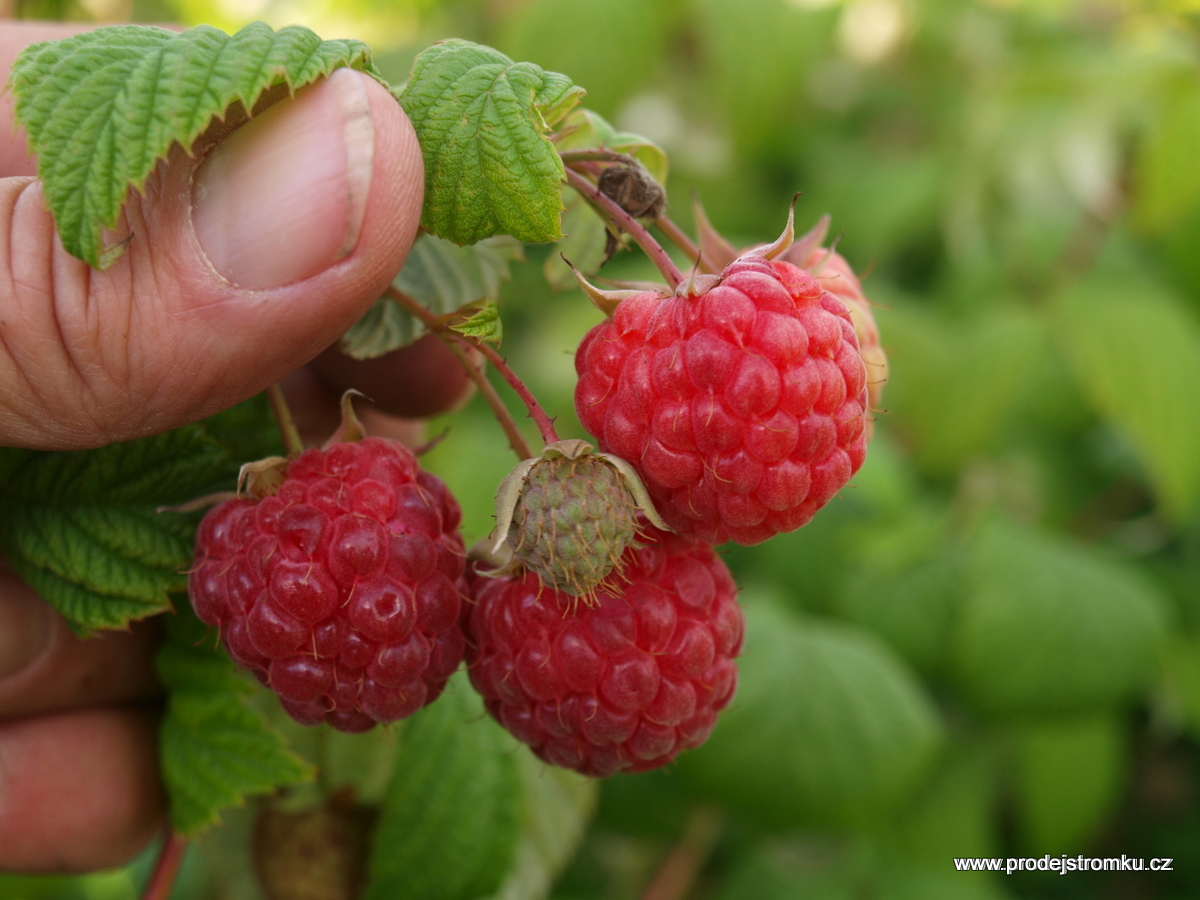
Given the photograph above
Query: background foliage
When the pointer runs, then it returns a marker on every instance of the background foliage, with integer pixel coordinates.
(990, 644)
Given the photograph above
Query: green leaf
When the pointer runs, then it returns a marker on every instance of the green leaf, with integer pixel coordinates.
(483, 323)
(980, 369)
(443, 278)
(103, 108)
(1136, 356)
(1049, 625)
(827, 728)
(583, 244)
(906, 587)
(482, 121)
(82, 527)
(1168, 180)
(450, 821)
(953, 813)
(584, 129)
(558, 805)
(215, 750)
(1067, 778)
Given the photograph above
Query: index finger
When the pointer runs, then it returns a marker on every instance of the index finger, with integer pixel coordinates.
(15, 36)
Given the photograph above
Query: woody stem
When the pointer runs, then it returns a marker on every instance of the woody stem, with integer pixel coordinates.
(495, 402)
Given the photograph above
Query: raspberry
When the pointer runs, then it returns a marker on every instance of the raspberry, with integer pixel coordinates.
(836, 276)
(624, 685)
(741, 402)
(832, 270)
(341, 589)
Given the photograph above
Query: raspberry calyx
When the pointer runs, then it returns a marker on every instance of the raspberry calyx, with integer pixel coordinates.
(569, 514)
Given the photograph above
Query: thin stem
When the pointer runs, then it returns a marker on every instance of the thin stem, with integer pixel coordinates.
(166, 868)
(283, 419)
(597, 154)
(676, 236)
(544, 423)
(624, 220)
(680, 867)
(456, 342)
(516, 440)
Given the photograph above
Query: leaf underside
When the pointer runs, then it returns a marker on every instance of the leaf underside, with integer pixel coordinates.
(102, 108)
(443, 278)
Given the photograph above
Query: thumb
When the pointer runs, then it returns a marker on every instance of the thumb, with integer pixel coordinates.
(242, 263)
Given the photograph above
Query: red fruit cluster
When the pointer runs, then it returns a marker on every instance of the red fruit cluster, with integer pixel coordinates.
(622, 686)
(742, 406)
(342, 590)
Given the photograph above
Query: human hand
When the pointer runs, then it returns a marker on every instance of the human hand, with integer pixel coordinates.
(243, 263)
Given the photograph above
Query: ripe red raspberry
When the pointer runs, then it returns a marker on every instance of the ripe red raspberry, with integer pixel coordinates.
(741, 403)
(835, 275)
(342, 589)
(832, 270)
(624, 685)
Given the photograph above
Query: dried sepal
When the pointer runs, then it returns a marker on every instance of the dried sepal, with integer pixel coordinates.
(783, 243)
(633, 188)
(637, 487)
(261, 478)
(199, 503)
(605, 301)
(350, 429)
(637, 287)
(507, 496)
(697, 284)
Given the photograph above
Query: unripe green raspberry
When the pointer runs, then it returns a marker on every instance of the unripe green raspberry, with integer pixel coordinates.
(569, 514)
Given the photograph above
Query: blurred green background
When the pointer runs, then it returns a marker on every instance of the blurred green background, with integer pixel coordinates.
(989, 645)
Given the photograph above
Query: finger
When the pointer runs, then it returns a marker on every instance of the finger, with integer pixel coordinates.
(418, 381)
(44, 667)
(241, 265)
(15, 158)
(316, 408)
(78, 791)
